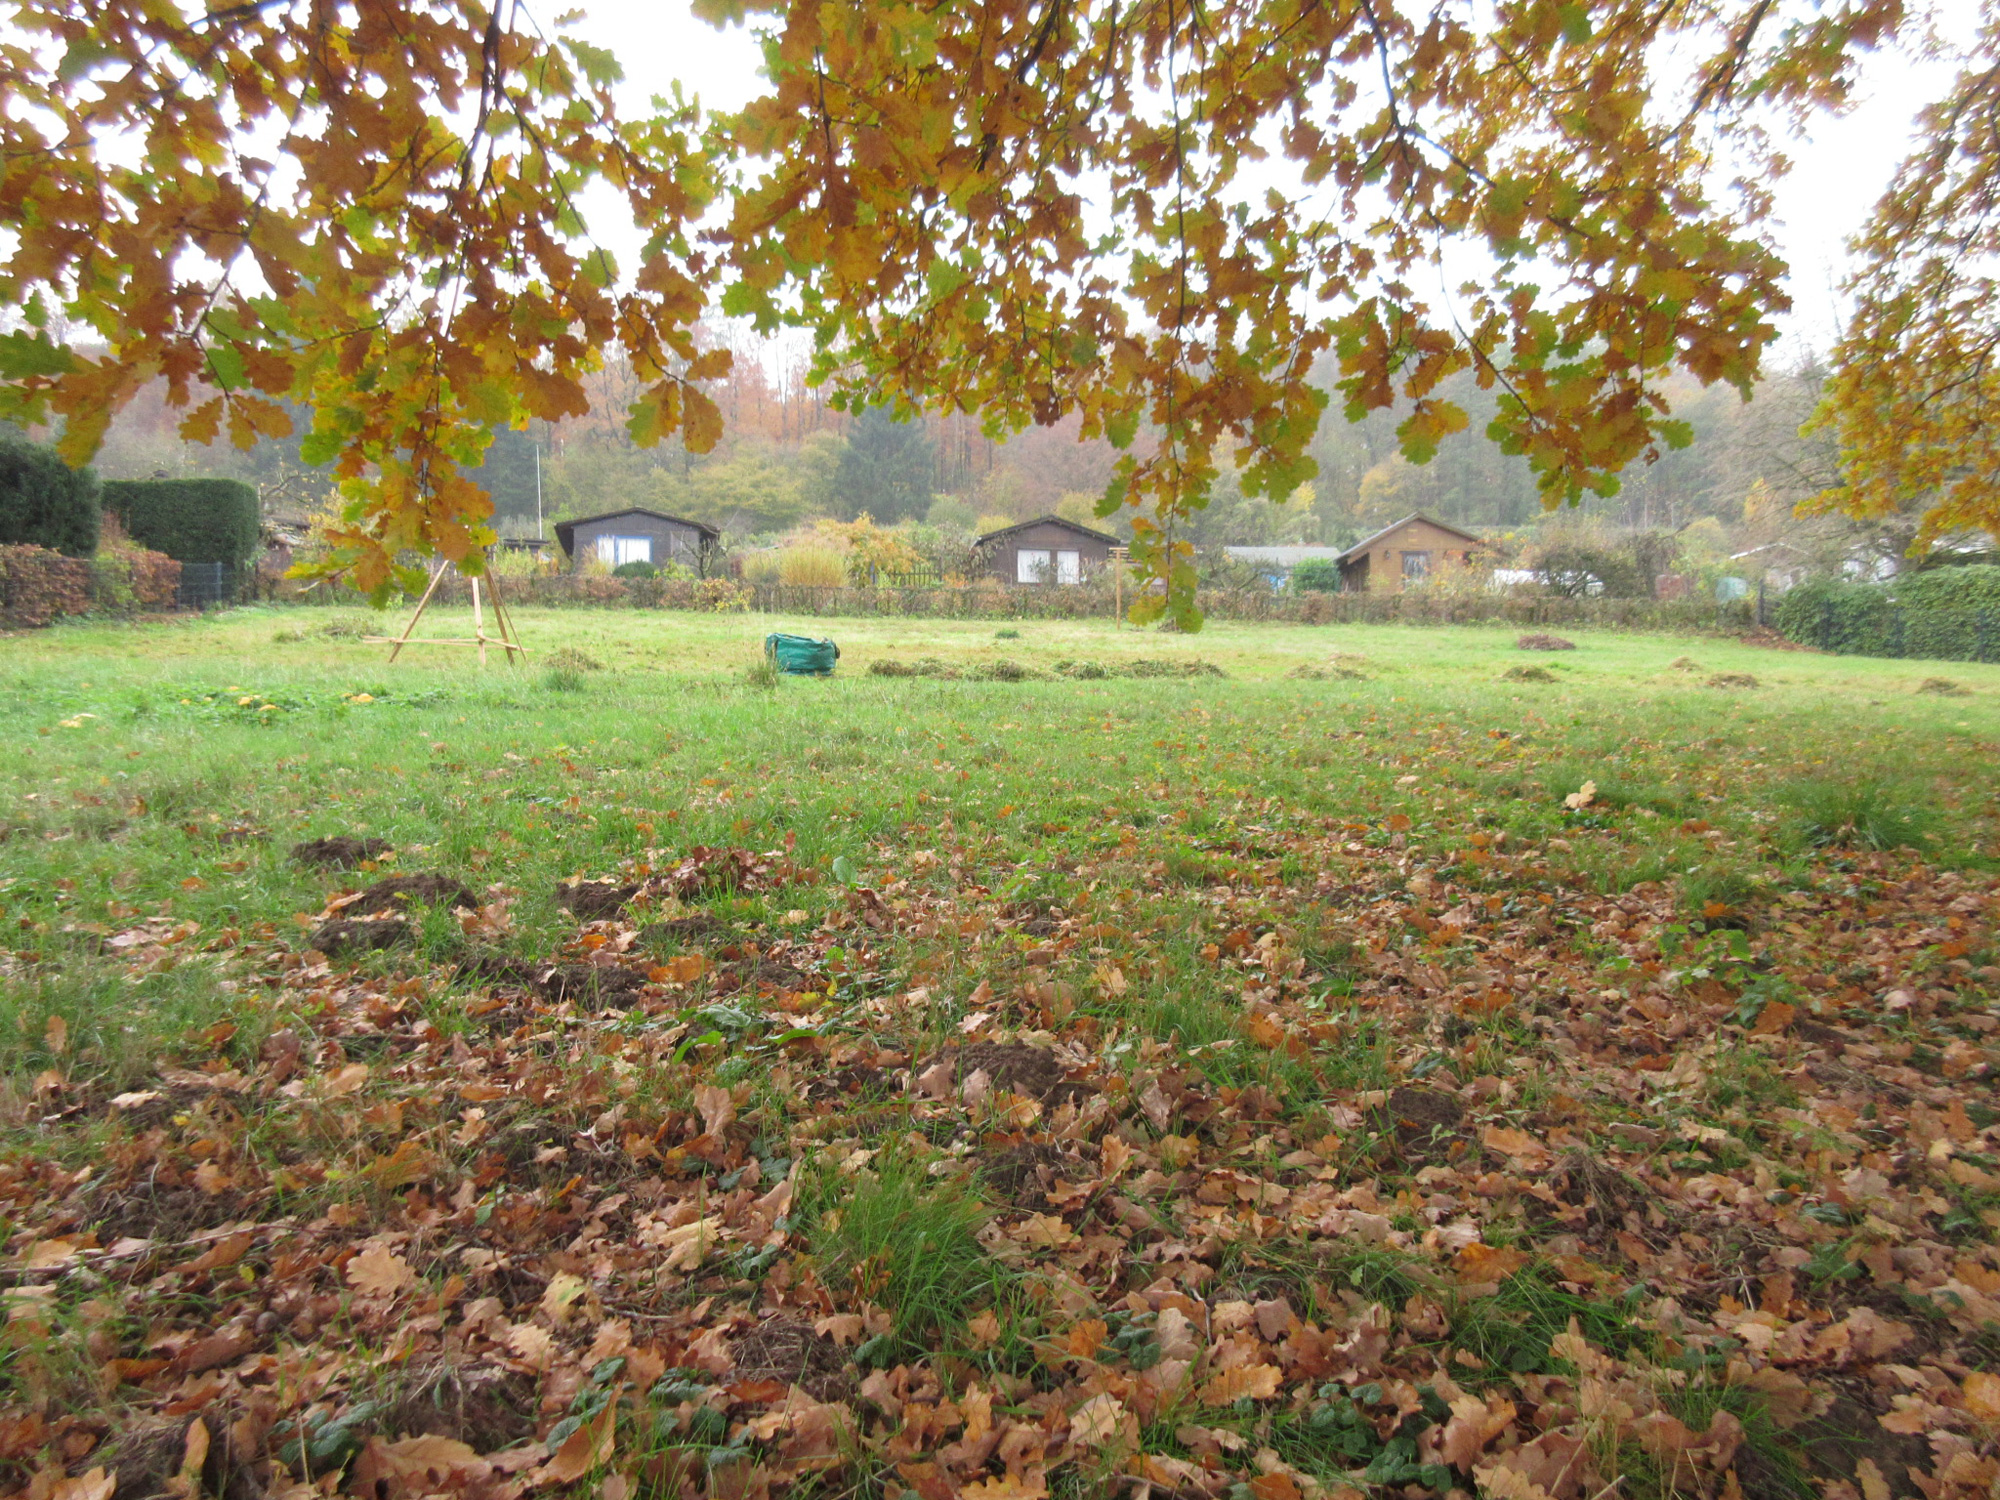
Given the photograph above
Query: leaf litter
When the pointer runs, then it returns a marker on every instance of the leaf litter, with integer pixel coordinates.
(1418, 1169)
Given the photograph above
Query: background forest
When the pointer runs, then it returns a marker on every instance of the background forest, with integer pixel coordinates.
(788, 458)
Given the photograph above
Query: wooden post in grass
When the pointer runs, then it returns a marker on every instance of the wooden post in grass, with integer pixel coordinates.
(1118, 556)
(508, 640)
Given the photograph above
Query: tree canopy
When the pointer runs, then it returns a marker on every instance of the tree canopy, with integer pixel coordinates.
(1153, 219)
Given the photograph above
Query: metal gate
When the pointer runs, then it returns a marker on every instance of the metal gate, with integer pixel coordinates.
(204, 585)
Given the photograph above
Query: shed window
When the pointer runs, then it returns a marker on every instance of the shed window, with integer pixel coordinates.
(619, 550)
(1416, 565)
(1031, 565)
(1069, 567)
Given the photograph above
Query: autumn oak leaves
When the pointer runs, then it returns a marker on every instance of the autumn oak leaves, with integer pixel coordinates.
(1159, 216)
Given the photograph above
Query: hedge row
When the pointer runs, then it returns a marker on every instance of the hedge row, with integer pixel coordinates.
(38, 585)
(190, 520)
(1946, 614)
(45, 503)
(997, 601)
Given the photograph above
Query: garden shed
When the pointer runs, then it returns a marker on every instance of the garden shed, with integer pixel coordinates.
(1405, 554)
(636, 534)
(1048, 549)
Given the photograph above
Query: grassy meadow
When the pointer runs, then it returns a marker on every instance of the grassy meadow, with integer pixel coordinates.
(1276, 1078)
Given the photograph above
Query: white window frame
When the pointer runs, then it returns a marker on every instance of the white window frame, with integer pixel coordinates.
(616, 551)
(1069, 567)
(1032, 565)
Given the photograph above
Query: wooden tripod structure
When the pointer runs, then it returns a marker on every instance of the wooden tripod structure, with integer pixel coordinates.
(506, 639)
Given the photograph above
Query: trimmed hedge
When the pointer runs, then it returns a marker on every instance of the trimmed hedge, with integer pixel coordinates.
(46, 503)
(1946, 614)
(38, 585)
(191, 520)
(1316, 575)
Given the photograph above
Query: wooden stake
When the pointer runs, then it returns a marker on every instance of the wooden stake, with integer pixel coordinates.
(422, 604)
(478, 622)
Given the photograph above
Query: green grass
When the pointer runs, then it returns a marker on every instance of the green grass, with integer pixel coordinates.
(155, 777)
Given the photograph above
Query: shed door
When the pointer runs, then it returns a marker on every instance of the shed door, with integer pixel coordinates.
(1069, 567)
(1031, 565)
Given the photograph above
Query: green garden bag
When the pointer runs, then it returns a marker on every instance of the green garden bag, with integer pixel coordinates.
(801, 655)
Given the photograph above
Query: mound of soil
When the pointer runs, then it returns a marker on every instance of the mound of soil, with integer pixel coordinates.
(1944, 687)
(1148, 666)
(590, 984)
(1528, 674)
(338, 853)
(788, 1349)
(345, 935)
(592, 899)
(1732, 680)
(689, 929)
(1013, 1067)
(1683, 664)
(400, 892)
(1023, 1175)
(502, 968)
(1544, 643)
(1425, 1121)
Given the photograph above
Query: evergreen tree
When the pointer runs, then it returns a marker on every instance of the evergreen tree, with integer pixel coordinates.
(885, 471)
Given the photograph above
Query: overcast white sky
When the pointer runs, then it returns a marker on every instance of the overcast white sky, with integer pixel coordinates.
(1837, 175)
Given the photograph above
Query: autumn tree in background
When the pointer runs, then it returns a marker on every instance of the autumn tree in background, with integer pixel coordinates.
(1915, 397)
(366, 210)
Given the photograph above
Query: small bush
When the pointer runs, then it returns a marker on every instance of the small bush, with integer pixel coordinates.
(1007, 633)
(563, 680)
(46, 503)
(1316, 575)
(812, 567)
(636, 570)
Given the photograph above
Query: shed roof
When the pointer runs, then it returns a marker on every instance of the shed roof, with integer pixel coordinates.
(1048, 520)
(1416, 515)
(565, 529)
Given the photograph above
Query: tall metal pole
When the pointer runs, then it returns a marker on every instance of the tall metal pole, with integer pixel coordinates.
(542, 535)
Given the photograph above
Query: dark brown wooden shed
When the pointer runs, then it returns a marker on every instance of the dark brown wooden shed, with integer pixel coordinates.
(636, 534)
(1048, 549)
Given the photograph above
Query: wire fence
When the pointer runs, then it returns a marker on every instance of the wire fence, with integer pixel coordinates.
(205, 585)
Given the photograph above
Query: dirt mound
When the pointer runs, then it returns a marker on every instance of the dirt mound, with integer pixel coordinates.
(1307, 672)
(1528, 674)
(592, 899)
(1683, 664)
(346, 935)
(496, 967)
(1012, 1067)
(1543, 643)
(788, 1349)
(569, 659)
(1944, 687)
(1426, 1122)
(401, 892)
(1023, 1175)
(689, 929)
(1732, 680)
(338, 853)
(590, 985)
(1151, 666)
